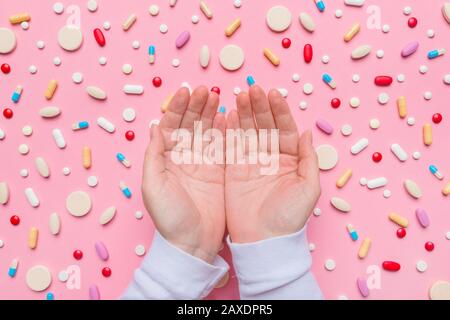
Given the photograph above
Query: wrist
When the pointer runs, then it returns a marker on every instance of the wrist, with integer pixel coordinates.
(200, 253)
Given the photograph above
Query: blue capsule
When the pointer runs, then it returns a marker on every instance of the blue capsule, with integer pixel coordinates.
(250, 81)
(320, 5)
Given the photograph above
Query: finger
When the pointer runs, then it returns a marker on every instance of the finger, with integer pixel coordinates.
(308, 167)
(261, 108)
(209, 111)
(285, 123)
(220, 123)
(177, 107)
(233, 120)
(195, 107)
(245, 111)
(154, 162)
(233, 138)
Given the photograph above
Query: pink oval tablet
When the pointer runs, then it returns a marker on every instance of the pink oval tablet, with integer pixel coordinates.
(182, 39)
(94, 294)
(410, 48)
(325, 126)
(422, 216)
(101, 251)
(362, 286)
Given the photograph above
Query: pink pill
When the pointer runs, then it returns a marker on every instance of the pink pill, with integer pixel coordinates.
(182, 39)
(410, 48)
(325, 126)
(94, 294)
(422, 216)
(102, 252)
(362, 286)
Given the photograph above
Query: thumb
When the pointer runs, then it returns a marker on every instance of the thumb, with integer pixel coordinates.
(308, 166)
(154, 162)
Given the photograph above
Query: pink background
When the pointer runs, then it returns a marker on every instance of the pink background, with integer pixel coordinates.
(327, 232)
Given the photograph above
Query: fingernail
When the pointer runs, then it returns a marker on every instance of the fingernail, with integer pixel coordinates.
(222, 109)
(250, 81)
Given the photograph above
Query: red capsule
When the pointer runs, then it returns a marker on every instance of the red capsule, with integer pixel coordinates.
(99, 37)
(401, 233)
(215, 89)
(286, 43)
(307, 53)
(437, 118)
(6, 68)
(383, 81)
(391, 266)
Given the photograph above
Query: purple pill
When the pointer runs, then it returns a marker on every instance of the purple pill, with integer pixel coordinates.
(422, 216)
(324, 126)
(102, 252)
(410, 48)
(94, 294)
(182, 39)
(362, 286)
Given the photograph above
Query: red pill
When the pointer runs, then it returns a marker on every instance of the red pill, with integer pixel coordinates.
(391, 266)
(6, 68)
(307, 53)
(78, 254)
(215, 89)
(437, 118)
(8, 113)
(383, 81)
(99, 37)
(376, 157)
(106, 272)
(129, 135)
(335, 102)
(15, 220)
(157, 82)
(286, 43)
(412, 22)
(401, 233)
(429, 246)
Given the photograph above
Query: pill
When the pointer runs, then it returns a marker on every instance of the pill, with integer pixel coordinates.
(446, 189)
(422, 217)
(77, 77)
(49, 112)
(377, 183)
(107, 215)
(54, 223)
(352, 32)
(151, 54)
(154, 9)
(139, 250)
(283, 91)
(412, 188)
(346, 130)
(182, 39)
(427, 134)
(361, 283)
(359, 146)
(87, 157)
(99, 37)
(4, 193)
(398, 219)
(231, 57)
(232, 27)
(383, 81)
(80, 125)
(129, 22)
(271, 56)
(343, 179)
(320, 5)
(433, 54)
(125, 190)
(387, 193)
(59, 138)
(51, 88)
(325, 59)
(101, 250)
(421, 266)
(123, 160)
(278, 18)
(446, 11)
(327, 156)
(24, 149)
(317, 212)
(96, 93)
(354, 3)
(307, 53)
(106, 125)
(94, 293)
(42, 167)
(78, 203)
(364, 248)
(133, 89)
(70, 37)
(409, 49)
(33, 238)
(13, 268)
(204, 56)
(2, 134)
(17, 94)
(352, 232)
(398, 151)
(163, 28)
(307, 22)
(330, 264)
(401, 106)
(92, 5)
(391, 266)
(8, 41)
(32, 197)
(138, 215)
(324, 126)
(286, 43)
(361, 52)
(340, 204)
(19, 18)
(329, 80)
(166, 102)
(434, 170)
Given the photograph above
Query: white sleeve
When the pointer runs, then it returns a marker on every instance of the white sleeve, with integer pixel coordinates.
(276, 268)
(170, 273)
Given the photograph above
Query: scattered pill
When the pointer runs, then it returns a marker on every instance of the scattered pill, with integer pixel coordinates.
(153, 10)
(92, 5)
(128, 23)
(78, 203)
(24, 149)
(433, 54)
(92, 181)
(383, 81)
(352, 232)
(352, 32)
(58, 7)
(139, 250)
(278, 18)
(343, 179)
(13, 268)
(77, 77)
(398, 151)
(80, 125)
(364, 248)
(33, 238)
(354, 3)
(377, 183)
(59, 138)
(27, 131)
(361, 283)
(14, 220)
(330, 264)
(398, 219)
(54, 223)
(359, 146)
(96, 93)
(99, 37)
(421, 266)
(102, 60)
(101, 250)
(127, 68)
(125, 190)
(324, 126)
(329, 80)
(422, 217)
(133, 89)
(23, 174)
(387, 193)
(307, 22)
(409, 49)
(376, 157)
(308, 88)
(138, 215)
(70, 38)
(317, 212)
(66, 171)
(401, 233)
(32, 197)
(437, 118)
(340, 204)
(206, 10)
(391, 266)
(416, 155)
(327, 157)
(107, 215)
(361, 52)
(411, 121)
(383, 98)
(78, 254)
(355, 102)
(427, 134)
(346, 130)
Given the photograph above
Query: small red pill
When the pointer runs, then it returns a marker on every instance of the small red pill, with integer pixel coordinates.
(391, 266)
(157, 82)
(412, 22)
(307, 53)
(401, 233)
(335, 102)
(129, 135)
(106, 272)
(376, 157)
(6, 68)
(15, 220)
(8, 113)
(429, 246)
(286, 43)
(99, 37)
(215, 89)
(437, 118)
(383, 81)
(78, 254)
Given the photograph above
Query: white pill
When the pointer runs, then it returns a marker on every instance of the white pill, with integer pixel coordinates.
(423, 69)
(25, 25)
(106, 25)
(363, 181)
(66, 171)
(32, 197)
(136, 44)
(40, 44)
(398, 151)
(133, 89)
(42, 167)
(77, 77)
(32, 69)
(308, 88)
(106, 125)
(63, 276)
(447, 235)
(338, 13)
(342, 297)
(237, 90)
(138, 215)
(58, 7)
(96, 93)
(446, 79)
(427, 95)
(153, 10)
(59, 138)
(139, 250)
(416, 155)
(359, 146)
(57, 61)
(377, 183)
(102, 60)
(346, 130)
(195, 19)
(361, 52)
(356, 78)
(387, 193)
(311, 247)
(284, 92)
(303, 105)
(380, 54)
(54, 223)
(296, 77)
(354, 3)
(374, 123)
(325, 59)
(176, 62)
(317, 212)
(2, 134)
(237, 3)
(163, 28)
(24, 149)
(383, 98)
(92, 5)
(407, 11)
(421, 266)
(92, 181)
(307, 22)
(340, 204)
(127, 68)
(129, 114)
(24, 173)
(355, 102)
(401, 78)
(186, 85)
(411, 121)
(278, 18)
(386, 28)
(330, 265)
(2, 243)
(27, 131)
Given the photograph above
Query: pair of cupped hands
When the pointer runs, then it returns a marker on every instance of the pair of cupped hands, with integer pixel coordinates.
(193, 204)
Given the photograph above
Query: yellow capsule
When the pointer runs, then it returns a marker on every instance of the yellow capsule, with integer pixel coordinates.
(166, 102)
(33, 238)
(446, 190)
(51, 88)
(398, 219)
(87, 157)
(352, 32)
(232, 27)
(129, 22)
(401, 106)
(364, 249)
(427, 134)
(206, 10)
(271, 57)
(19, 18)
(343, 179)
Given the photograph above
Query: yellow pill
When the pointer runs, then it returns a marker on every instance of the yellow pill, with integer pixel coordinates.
(206, 10)
(343, 179)
(352, 32)
(427, 134)
(87, 157)
(166, 102)
(51, 88)
(446, 190)
(364, 249)
(33, 238)
(19, 18)
(129, 22)
(233, 27)
(271, 57)
(398, 219)
(401, 106)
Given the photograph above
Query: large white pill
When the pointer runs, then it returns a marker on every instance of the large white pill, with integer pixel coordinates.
(59, 138)
(204, 56)
(49, 112)
(361, 52)
(107, 215)
(133, 89)
(106, 124)
(38, 278)
(231, 57)
(42, 167)
(327, 157)
(399, 152)
(377, 183)
(129, 114)
(7, 41)
(278, 18)
(96, 93)
(78, 203)
(340, 204)
(354, 3)
(54, 223)
(70, 38)
(307, 22)
(4, 193)
(359, 146)
(32, 197)
(412, 188)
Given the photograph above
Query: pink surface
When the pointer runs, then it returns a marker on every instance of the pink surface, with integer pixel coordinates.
(327, 232)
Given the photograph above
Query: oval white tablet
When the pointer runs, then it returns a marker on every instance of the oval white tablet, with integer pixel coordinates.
(361, 52)
(32, 197)
(7, 41)
(96, 93)
(78, 203)
(133, 89)
(2, 134)
(70, 37)
(42, 167)
(340, 204)
(398, 151)
(231, 57)
(4, 193)
(204, 56)
(307, 22)
(413, 189)
(377, 183)
(354, 3)
(38, 278)
(54, 223)
(359, 146)
(49, 112)
(328, 156)
(59, 138)
(106, 124)
(278, 18)
(107, 215)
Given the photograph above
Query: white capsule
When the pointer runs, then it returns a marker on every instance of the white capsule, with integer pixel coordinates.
(399, 152)
(105, 124)
(354, 3)
(59, 138)
(133, 89)
(359, 146)
(54, 223)
(32, 197)
(377, 183)
(204, 56)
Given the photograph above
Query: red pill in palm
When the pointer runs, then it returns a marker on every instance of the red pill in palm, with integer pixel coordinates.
(335, 102)
(8, 113)
(437, 118)
(99, 37)
(401, 233)
(383, 81)
(412, 22)
(286, 43)
(6, 68)
(106, 272)
(391, 266)
(215, 89)
(78, 254)
(429, 246)
(15, 220)
(307, 53)
(376, 157)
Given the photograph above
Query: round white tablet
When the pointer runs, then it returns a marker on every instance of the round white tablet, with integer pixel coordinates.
(237, 90)
(175, 63)
(346, 130)
(27, 131)
(278, 18)
(407, 11)
(237, 3)
(308, 88)
(7, 40)
(387, 193)
(102, 60)
(63, 276)
(356, 78)
(38, 278)
(421, 266)
(386, 28)
(139, 250)
(296, 77)
(231, 57)
(311, 247)
(77, 77)
(317, 212)
(127, 68)
(58, 7)
(24, 25)
(136, 44)
(380, 54)
(57, 61)
(66, 171)
(195, 19)
(153, 10)
(330, 264)
(430, 33)
(129, 114)
(32, 69)
(40, 44)
(24, 149)
(303, 105)
(383, 98)
(411, 121)
(338, 13)
(401, 78)
(440, 290)
(363, 181)
(447, 235)
(2, 244)
(423, 69)
(138, 215)
(92, 5)
(92, 181)
(427, 95)
(355, 102)
(78, 203)
(325, 59)
(106, 25)
(163, 28)
(374, 123)
(24, 173)
(328, 156)
(416, 155)
(70, 38)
